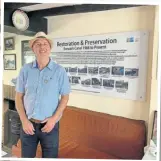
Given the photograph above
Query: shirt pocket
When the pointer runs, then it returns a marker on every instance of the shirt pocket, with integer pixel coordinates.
(47, 80)
(50, 83)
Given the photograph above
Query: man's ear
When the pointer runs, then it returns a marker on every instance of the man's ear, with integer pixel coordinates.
(33, 50)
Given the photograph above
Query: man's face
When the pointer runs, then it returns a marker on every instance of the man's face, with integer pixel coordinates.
(41, 48)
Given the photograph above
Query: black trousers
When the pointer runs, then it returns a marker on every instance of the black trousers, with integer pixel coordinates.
(49, 142)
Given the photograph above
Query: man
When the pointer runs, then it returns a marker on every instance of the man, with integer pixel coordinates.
(38, 88)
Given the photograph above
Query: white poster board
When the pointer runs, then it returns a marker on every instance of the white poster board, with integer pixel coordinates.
(113, 65)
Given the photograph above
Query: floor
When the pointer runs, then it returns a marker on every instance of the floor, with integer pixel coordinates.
(6, 155)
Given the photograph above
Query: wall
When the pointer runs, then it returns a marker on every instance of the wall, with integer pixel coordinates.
(9, 74)
(154, 77)
(121, 20)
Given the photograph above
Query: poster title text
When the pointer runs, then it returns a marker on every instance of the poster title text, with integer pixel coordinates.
(86, 44)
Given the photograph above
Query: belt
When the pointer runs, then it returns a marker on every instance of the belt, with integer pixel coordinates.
(35, 121)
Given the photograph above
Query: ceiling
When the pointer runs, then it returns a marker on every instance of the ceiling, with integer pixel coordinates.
(43, 6)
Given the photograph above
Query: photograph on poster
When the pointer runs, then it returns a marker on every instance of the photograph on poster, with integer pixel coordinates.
(76, 80)
(96, 82)
(73, 69)
(118, 71)
(121, 85)
(108, 83)
(86, 82)
(93, 70)
(131, 72)
(82, 70)
(104, 70)
(130, 39)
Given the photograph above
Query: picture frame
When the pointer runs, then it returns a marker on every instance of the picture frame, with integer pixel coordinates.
(154, 128)
(9, 43)
(27, 53)
(9, 61)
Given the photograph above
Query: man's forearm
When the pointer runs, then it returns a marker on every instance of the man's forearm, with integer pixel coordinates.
(61, 107)
(20, 108)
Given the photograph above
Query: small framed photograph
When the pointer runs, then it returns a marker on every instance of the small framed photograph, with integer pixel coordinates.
(9, 43)
(9, 61)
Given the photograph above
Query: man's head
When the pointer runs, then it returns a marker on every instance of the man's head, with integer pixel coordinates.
(41, 45)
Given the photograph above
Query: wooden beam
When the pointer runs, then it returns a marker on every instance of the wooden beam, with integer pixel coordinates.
(36, 24)
(8, 5)
(39, 23)
(11, 29)
(76, 9)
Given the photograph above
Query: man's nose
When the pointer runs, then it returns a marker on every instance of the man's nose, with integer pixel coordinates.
(42, 45)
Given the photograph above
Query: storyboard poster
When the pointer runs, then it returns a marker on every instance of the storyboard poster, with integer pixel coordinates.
(113, 64)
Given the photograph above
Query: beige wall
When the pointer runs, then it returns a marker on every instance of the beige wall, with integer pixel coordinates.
(9, 74)
(154, 79)
(121, 20)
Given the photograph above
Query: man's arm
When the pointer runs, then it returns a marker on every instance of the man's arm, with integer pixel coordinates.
(20, 107)
(20, 92)
(27, 125)
(61, 107)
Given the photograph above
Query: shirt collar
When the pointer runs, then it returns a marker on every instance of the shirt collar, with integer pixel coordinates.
(50, 64)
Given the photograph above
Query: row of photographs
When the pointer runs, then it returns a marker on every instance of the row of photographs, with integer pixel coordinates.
(115, 71)
(106, 83)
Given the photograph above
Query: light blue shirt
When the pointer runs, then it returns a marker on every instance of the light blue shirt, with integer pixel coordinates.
(42, 88)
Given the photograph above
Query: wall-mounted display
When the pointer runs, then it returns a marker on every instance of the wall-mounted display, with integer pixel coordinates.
(9, 43)
(113, 64)
(27, 53)
(9, 61)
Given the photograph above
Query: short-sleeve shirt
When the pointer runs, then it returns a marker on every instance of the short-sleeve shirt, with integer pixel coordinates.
(42, 88)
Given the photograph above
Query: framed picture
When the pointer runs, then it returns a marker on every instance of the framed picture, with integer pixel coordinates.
(9, 43)
(27, 53)
(9, 61)
(154, 129)
(25, 46)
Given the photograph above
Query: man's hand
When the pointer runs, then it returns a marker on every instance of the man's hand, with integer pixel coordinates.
(50, 123)
(28, 127)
